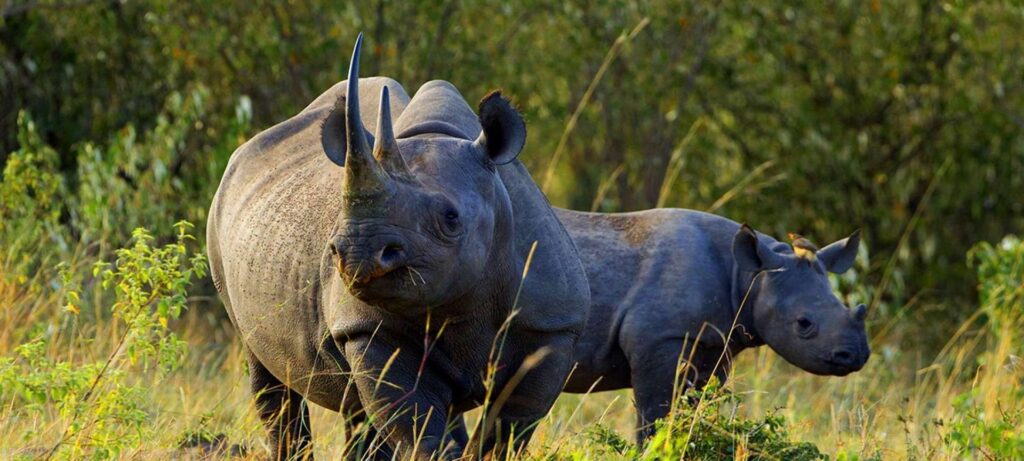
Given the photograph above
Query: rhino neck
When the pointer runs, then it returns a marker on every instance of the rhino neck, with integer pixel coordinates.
(556, 296)
(745, 287)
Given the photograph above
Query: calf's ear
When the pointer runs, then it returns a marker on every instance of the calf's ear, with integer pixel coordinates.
(838, 257)
(751, 254)
(504, 131)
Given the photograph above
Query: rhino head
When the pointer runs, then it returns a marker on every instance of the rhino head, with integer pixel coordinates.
(425, 217)
(794, 309)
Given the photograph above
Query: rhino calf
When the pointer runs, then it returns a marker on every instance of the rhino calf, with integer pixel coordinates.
(667, 282)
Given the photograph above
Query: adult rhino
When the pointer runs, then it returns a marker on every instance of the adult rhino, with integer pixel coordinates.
(675, 287)
(376, 282)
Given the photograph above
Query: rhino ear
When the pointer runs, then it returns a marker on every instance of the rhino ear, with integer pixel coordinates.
(332, 133)
(504, 131)
(751, 254)
(838, 257)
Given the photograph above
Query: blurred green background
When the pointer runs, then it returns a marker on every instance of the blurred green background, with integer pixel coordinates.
(904, 119)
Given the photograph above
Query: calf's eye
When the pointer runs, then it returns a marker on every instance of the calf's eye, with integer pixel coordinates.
(805, 327)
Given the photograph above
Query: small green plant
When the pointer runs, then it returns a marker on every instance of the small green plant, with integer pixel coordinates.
(99, 406)
(987, 436)
(706, 426)
(609, 440)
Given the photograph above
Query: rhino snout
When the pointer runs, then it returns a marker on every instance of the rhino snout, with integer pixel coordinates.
(363, 263)
(849, 358)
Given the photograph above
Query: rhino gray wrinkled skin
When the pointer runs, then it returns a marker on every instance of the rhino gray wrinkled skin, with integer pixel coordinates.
(372, 274)
(667, 282)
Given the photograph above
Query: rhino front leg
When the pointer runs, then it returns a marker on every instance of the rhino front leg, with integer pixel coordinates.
(283, 412)
(658, 375)
(662, 371)
(407, 403)
(531, 388)
(364, 443)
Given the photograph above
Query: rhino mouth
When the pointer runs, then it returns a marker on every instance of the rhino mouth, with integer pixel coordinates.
(396, 278)
(842, 369)
(368, 277)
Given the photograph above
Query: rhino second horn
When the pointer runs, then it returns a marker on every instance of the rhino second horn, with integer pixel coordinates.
(364, 177)
(385, 147)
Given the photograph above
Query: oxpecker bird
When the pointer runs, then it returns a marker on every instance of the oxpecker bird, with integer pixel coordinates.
(803, 248)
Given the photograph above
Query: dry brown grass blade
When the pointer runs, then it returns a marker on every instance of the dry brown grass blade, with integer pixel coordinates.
(741, 185)
(610, 56)
(676, 162)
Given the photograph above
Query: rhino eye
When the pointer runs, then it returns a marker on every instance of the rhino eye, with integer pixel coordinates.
(805, 327)
(450, 223)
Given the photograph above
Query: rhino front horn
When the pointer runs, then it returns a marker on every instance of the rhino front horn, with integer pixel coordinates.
(363, 177)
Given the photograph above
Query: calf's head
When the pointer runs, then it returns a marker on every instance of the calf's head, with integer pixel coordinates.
(424, 219)
(794, 309)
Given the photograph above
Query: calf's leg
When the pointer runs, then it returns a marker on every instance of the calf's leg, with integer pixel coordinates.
(664, 370)
(656, 381)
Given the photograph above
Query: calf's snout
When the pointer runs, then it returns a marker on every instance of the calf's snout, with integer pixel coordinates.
(852, 358)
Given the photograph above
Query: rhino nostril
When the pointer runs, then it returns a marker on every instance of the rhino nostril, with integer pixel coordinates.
(390, 256)
(842, 357)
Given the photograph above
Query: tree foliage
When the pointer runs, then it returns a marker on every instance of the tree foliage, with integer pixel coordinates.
(901, 118)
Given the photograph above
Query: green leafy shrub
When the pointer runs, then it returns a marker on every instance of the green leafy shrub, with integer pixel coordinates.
(711, 430)
(976, 434)
(101, 406)
(704, 425)
(1000, 282)
(31, 201)
(138, 180)
(988, 421)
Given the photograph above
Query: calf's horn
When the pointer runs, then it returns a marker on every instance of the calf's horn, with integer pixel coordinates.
(860, 312)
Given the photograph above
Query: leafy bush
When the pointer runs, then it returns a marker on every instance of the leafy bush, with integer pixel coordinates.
(710, 430)
(100, 407)
(31, 201)
(992, 436)
(907, 112)
(989, 421)
(1001, 283)
(704, 425)
(139, 180)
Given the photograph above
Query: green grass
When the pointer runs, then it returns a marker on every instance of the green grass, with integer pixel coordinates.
(903, 404)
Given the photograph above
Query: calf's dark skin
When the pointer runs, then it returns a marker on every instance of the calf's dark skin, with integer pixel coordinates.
(668, 288)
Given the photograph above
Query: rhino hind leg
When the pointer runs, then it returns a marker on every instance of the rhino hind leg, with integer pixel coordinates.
(284, 414)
